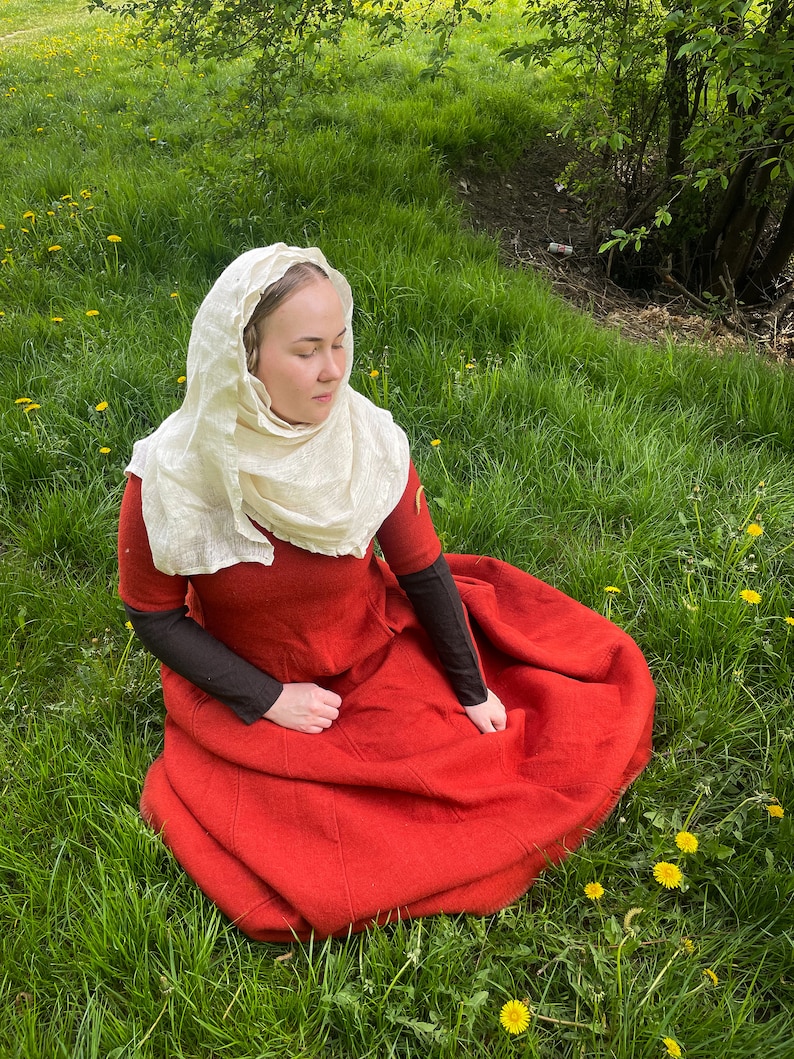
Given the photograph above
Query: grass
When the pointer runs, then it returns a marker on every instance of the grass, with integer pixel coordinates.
(584, 459)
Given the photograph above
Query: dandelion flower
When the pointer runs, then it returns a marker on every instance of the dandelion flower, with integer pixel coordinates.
(514, 1016)
(686, 842)
(667, 875)
(672, 1046)
(92, 312)
(114, 238)
(30, 407)
(28, 215)
(469, 366)
(53, 248)
(688, 945)
(104, 450)
(749, 595)
(57, 319)
(594, 890)
(85, 194)
(101, 406)
(612, 589)
(789, 620)
(374, 373)
(777, 812)
(708, 973)
(174, 293)
(24, 400)
(181, 379)
(755, 530)
(435, 442)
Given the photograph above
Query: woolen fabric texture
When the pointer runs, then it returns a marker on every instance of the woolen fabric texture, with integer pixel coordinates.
(401, 808)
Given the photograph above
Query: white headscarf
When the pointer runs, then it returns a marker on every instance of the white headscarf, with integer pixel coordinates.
(225, 458)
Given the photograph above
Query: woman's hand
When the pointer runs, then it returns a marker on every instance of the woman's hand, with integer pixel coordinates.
(305, 708)
(488, 716)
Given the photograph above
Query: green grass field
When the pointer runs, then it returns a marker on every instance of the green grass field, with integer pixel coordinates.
(653, 484)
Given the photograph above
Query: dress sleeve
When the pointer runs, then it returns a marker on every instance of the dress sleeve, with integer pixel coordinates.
(412, 549)
(155, 605)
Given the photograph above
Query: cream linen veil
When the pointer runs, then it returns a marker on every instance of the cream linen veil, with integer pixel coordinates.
(225, 458)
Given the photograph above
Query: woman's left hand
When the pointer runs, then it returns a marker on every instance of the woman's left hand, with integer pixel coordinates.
(488, 716)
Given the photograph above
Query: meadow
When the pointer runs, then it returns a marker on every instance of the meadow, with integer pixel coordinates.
(653, 483)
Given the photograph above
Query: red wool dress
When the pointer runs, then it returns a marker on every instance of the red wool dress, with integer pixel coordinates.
(401, 808)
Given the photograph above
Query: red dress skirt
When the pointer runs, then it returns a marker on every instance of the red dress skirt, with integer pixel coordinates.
(401, 808)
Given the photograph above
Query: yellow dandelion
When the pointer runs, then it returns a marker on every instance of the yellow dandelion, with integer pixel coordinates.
(128, 625)
(612, 589)
(28, 215)
(181, 379)
(686, 842)
(749, 595)
(688, 945)
(101, 406)
(469, 366)
(789, 620)
(104, 450)
(667, 875)
(672, 1046)
(435, 442)
(514, 1016)
(30, 407)
(594, 890)
(85, 194)
(174, 293)
(114, 238)
(374, 373)
(92, 312)
(708, 973)
(2, 227)
(50, 213)
(24, 400)
(755, 530)
(57, 319)
(53, 248)
(777, 812)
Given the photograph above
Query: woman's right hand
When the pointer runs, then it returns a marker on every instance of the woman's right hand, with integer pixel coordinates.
(305, 708)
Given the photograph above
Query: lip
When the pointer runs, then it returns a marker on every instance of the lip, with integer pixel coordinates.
(323, 397)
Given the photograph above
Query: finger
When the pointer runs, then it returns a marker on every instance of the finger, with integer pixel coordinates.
(500, 723)
(486, 726)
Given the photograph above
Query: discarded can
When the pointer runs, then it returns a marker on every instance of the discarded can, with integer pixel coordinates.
(563, 249)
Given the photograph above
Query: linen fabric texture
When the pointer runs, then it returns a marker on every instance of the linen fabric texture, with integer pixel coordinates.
(224, 458)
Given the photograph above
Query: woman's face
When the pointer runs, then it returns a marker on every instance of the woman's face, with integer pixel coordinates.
(301, 356)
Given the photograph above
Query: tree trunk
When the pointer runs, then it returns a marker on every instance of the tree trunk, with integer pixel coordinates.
(776, 258)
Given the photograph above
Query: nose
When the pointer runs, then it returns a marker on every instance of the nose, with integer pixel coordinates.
(333, 365)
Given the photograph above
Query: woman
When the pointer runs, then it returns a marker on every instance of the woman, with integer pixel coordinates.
(334, 754)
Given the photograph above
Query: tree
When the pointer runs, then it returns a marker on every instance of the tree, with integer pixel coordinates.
(685, 109)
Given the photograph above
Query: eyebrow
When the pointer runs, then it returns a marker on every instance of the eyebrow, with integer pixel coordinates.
(317, 338)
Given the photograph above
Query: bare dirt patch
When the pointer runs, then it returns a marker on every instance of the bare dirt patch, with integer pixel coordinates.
(528, 209)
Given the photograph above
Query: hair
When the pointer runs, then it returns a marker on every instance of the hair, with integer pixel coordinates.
(295, 278)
